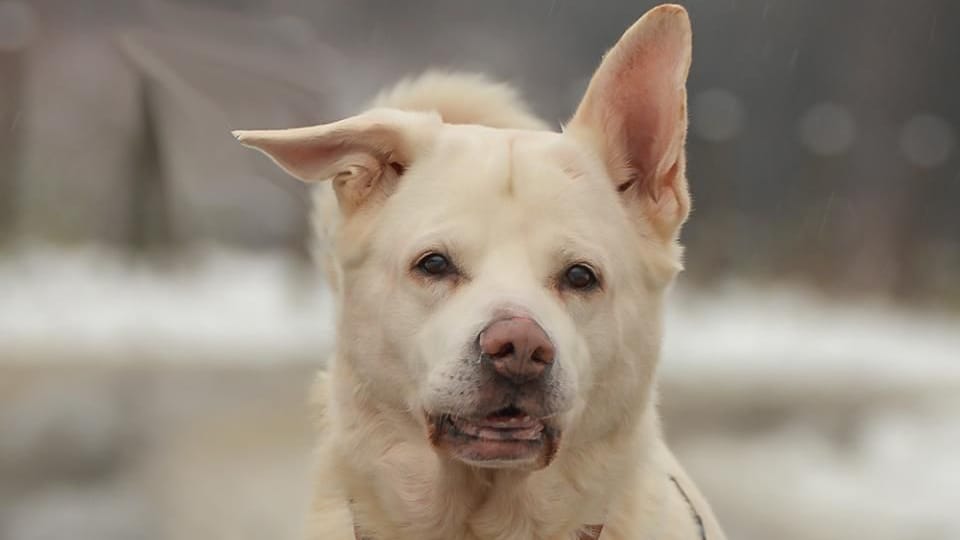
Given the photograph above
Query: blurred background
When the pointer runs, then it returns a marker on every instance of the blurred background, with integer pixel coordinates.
(160, 320)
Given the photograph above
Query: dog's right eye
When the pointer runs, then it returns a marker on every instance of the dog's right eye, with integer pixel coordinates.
(580, 277)
(435, 264)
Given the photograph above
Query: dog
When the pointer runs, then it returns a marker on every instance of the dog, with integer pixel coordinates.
(500, 294)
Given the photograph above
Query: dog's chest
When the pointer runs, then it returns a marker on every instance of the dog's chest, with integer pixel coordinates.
(496, 522)
(589, 532)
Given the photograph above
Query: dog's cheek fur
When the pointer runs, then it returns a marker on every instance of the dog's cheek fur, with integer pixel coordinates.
(620, 327)
(378, 348)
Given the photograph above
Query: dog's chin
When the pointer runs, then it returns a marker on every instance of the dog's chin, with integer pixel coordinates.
(506, 439)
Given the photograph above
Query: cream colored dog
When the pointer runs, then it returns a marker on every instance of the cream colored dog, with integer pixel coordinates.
(501, 289)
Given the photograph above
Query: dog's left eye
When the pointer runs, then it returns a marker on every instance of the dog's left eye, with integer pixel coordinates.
(580, 277)
(435, 264)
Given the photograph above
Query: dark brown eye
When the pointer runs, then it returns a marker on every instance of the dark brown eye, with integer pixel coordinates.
(435, 264)
(581, 277)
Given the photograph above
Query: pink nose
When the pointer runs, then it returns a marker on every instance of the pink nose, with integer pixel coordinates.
(517, 348)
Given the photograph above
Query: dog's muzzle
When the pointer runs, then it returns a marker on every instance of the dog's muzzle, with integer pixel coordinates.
(514, 424)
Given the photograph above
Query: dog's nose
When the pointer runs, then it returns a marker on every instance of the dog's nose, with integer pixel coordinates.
(517, 348)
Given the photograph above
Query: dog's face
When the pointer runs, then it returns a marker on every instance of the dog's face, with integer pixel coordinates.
(489, 278)
(503, 285)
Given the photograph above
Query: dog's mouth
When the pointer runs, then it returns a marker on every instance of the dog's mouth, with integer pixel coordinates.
(507, 438)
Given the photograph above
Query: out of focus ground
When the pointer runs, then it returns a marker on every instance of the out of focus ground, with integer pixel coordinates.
(125, 412)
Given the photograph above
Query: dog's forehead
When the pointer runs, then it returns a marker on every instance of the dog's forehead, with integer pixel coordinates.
(476, 166)
(490, 188)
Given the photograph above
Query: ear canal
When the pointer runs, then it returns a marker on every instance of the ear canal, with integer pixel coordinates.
(634, 114)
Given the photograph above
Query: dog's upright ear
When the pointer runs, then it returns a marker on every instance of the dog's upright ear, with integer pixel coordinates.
(634, 114)
(363, 155)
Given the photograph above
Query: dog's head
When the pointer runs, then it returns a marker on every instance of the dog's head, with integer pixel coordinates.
(503, 285)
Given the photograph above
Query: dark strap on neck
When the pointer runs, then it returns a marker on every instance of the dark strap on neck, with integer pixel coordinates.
(693, 510)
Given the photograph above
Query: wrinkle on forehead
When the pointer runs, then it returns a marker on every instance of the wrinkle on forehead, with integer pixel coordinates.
(489, 171)
(570, 165)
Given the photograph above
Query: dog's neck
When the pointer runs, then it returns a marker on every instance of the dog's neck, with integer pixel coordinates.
(399, 487)
(589, 532)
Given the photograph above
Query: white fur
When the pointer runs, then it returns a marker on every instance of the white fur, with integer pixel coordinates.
(455, 163)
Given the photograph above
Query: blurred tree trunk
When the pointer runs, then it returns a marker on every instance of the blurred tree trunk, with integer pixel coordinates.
(929, 239)
(883, 82)
(81, 121)
(11, 79)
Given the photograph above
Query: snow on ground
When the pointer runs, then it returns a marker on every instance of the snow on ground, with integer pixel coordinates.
(800, 416)
(212, 307)
(792, 332)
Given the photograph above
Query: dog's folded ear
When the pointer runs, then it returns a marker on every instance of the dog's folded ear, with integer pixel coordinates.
(634, 113)
(363, 155)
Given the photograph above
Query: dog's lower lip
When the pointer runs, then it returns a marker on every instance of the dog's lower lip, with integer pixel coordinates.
(504, 439)
(500, 429)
